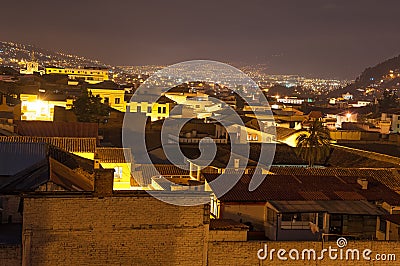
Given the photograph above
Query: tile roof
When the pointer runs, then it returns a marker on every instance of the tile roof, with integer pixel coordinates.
(144, 173)
(114, 155)
(87, 145)
(56, 129)
(390, 177)
(304, 187)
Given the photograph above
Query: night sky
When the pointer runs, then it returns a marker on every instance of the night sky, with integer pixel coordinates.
(328, 38)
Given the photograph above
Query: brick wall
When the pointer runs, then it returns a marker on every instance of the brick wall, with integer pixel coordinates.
(245, 253)
(227, 235)
(118, 230)
(10, 255)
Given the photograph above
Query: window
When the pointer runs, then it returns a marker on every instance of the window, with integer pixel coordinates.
(106, 100)
(117, 100)
(271, 216)
(118, 172)
(164, 110)
(382, 226)
(297, 221)
(159, 110)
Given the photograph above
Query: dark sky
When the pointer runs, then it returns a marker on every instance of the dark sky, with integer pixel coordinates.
(330, 38)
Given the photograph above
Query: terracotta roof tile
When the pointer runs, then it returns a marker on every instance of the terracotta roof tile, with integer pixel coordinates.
(68, 144)
(57, 129)
(114, 155)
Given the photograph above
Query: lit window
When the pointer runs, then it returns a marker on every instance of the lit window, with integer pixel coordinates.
(118, 172)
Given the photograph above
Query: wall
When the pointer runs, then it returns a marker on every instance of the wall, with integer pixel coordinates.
(125, 181)
(253, 213)
(10, 255)
(245, 253)
(345, 135)
(227, 235)
(119, 230)
(10, 206)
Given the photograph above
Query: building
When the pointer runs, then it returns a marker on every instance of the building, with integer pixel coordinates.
(295, 207)
(91, 75)
(110, 93)
(34, 108)
(343, 117)
(394, 119)
(156, 108)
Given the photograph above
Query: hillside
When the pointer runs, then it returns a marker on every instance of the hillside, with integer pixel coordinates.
(385, 75)
(14, 54)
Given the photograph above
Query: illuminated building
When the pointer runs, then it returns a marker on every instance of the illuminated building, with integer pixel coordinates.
(35, 109)
(90, 75)
(31, 67)
(156, 111)
(114, 97)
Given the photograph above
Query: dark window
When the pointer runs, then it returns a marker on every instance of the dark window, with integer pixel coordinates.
(164, 109)
(117, 100)
(271, 216)
(382, 226)
(159, 110)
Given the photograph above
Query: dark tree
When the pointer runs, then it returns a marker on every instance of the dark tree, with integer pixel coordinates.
(89, 108)
(389, 100)
(313, 144)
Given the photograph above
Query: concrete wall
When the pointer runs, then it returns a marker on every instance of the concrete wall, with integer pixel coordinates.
(118, 230)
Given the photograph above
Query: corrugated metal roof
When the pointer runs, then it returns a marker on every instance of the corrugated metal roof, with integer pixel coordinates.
(15, 157)
(331, 206)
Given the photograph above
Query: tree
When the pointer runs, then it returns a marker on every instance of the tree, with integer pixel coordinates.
(389, 100)
(89, 108)
(313, 144)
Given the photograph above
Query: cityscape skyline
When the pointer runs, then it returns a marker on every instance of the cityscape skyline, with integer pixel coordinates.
(335, 39)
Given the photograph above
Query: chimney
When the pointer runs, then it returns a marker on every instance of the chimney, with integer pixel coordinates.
(96, 164)
(103, 182)
(237, 164)
(363, 182)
